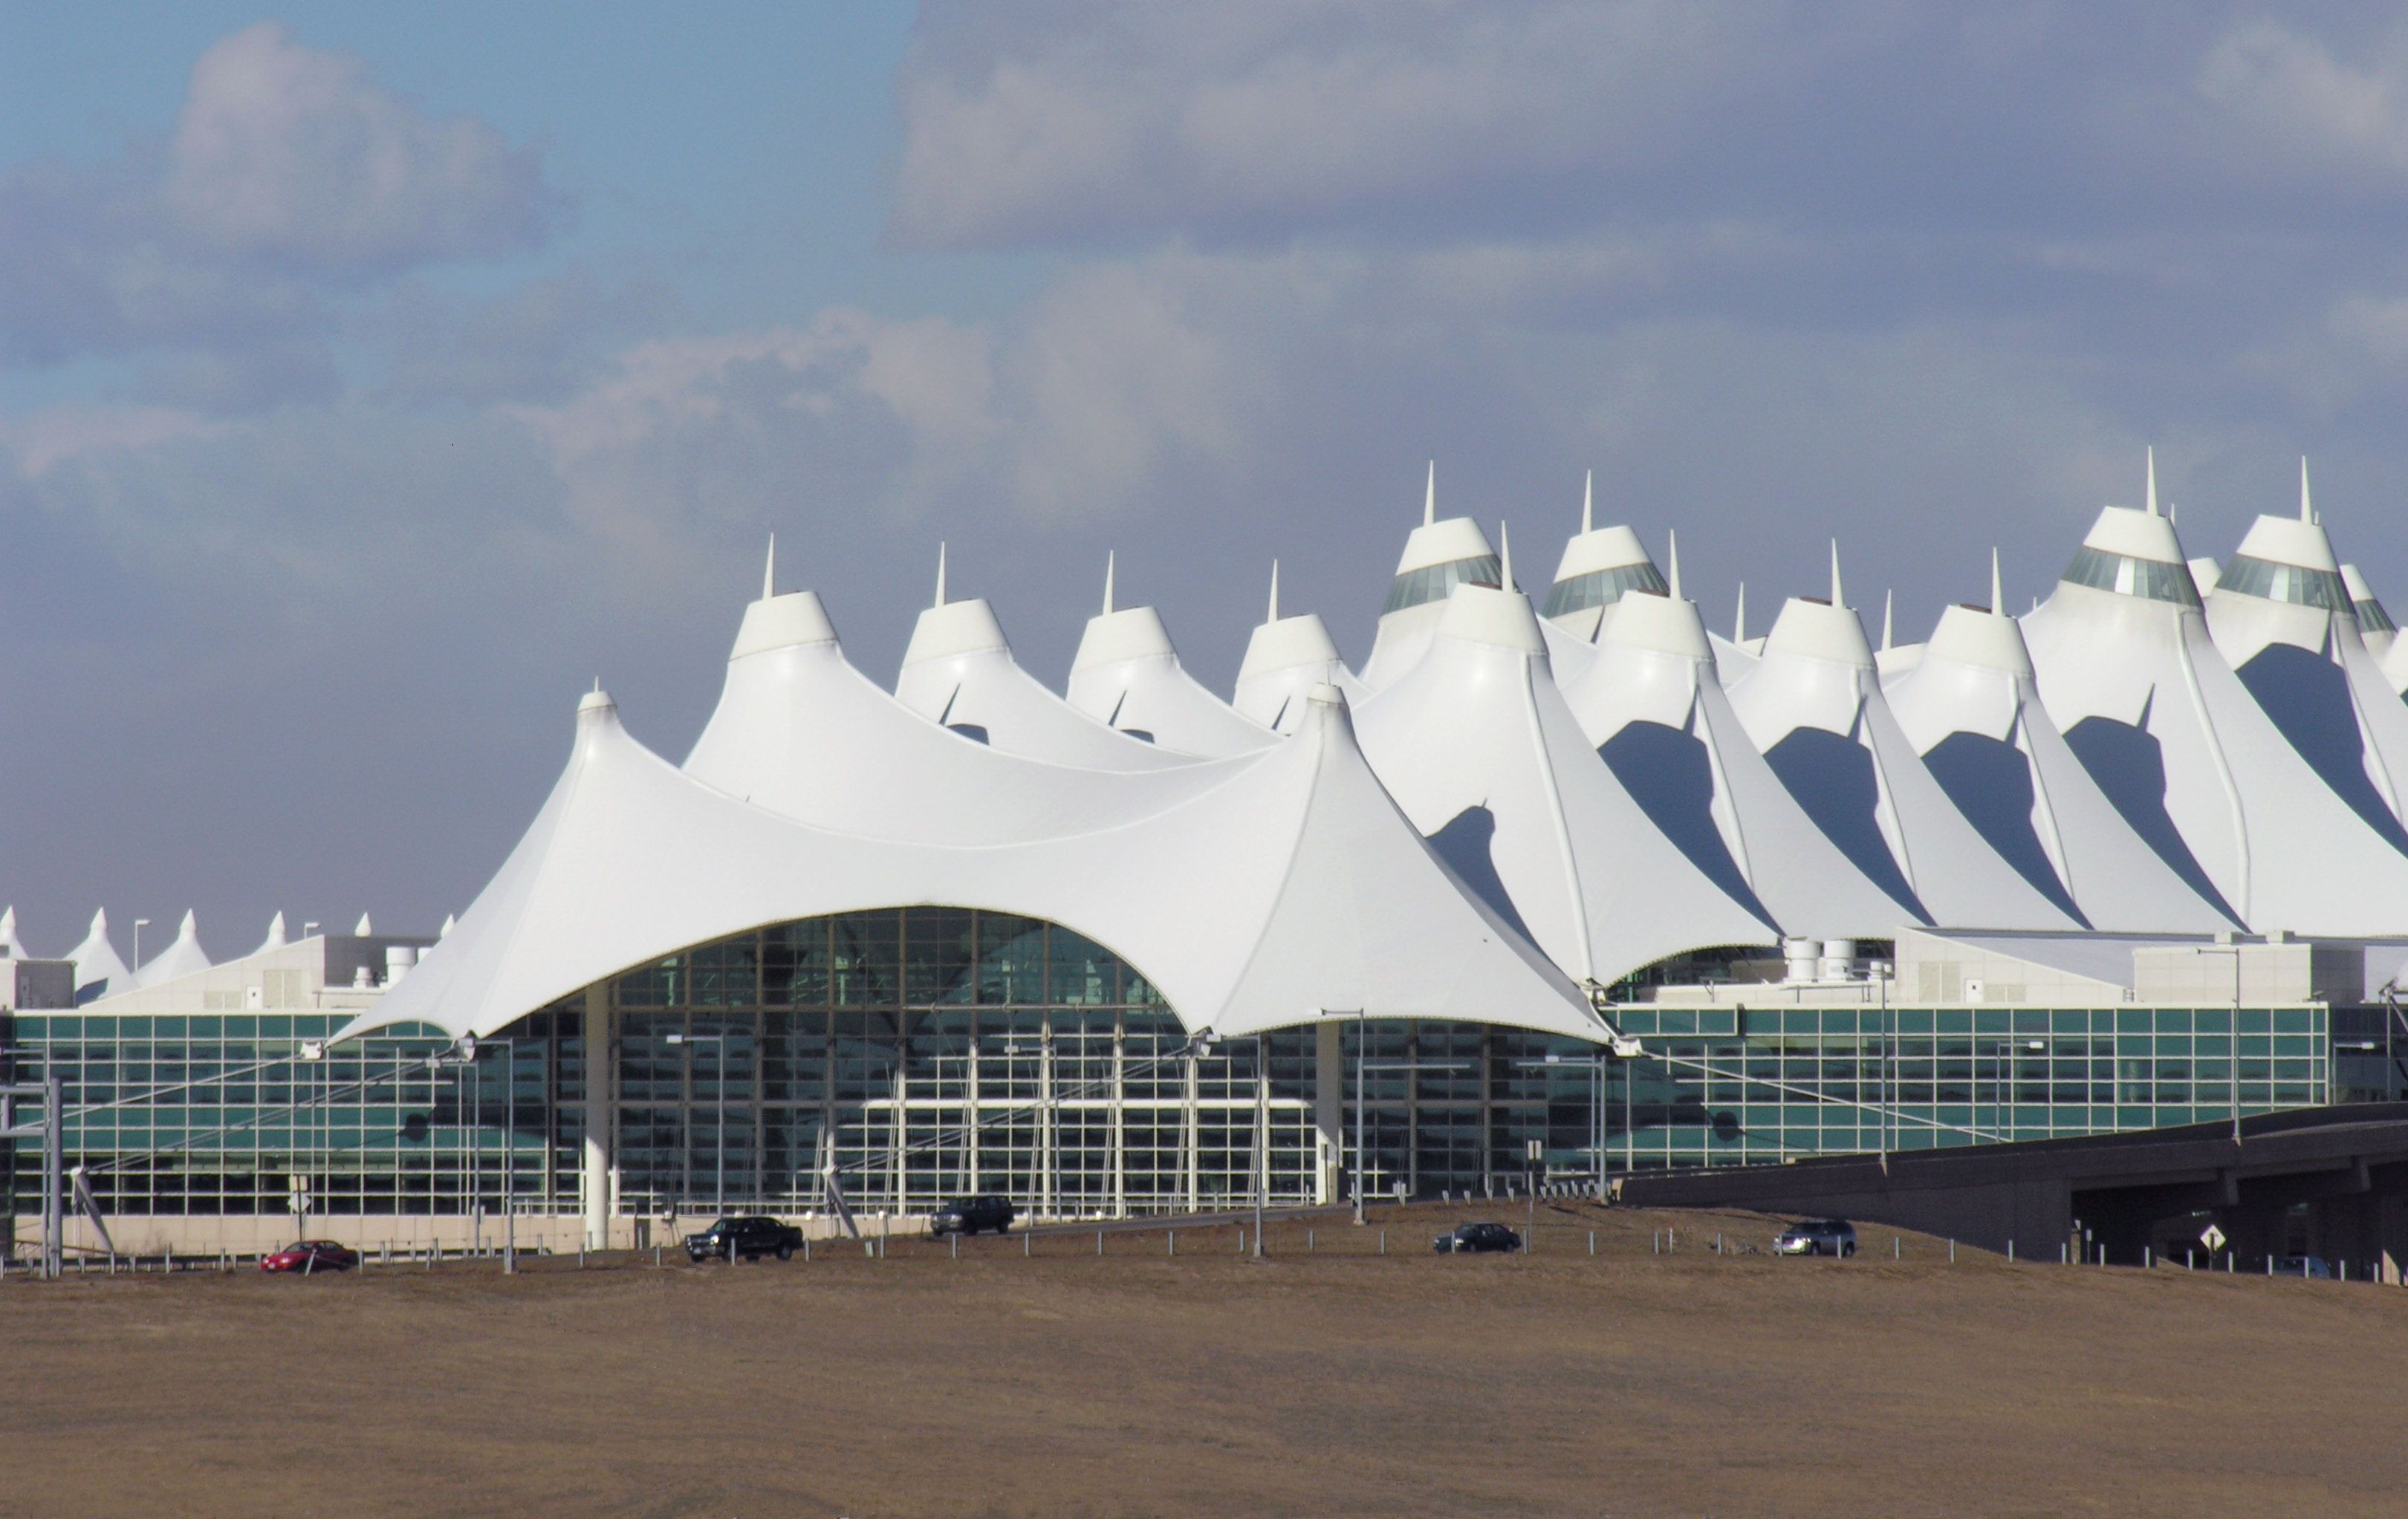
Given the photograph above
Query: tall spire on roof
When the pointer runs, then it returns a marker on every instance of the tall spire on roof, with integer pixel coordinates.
(1890, 604)
(1835, 599)
(941, 572)
(1109, 556)
(1738, 619)
(2307, 513)
(1505, 551)
(1673, 555)
(769, 570)
(1430, 497)
(1997, 597)
(2153, 479)
(1273, 615)
(1588, 502)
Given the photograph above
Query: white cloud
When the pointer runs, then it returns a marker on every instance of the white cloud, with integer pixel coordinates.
(849, 413)
(1199, 116)
(2293, 101)
(45, 440)
(291, 180)
(294, 153)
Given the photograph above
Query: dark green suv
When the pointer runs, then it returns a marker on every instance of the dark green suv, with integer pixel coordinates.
(748, 1238)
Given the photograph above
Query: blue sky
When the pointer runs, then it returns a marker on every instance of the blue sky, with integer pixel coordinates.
(372, 379)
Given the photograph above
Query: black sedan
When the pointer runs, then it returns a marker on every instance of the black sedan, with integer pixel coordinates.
(972, 1215)
(1476, 1240)
(749, 1238)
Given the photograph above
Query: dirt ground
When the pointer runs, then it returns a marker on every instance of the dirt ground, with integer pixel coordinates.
(1333, 1382)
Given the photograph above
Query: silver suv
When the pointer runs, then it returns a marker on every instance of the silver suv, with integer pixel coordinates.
(1817, 1237)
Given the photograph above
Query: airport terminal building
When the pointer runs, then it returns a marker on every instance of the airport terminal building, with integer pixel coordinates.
(1542, 893)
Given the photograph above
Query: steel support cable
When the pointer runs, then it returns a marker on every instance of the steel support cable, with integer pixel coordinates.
(401, 1067)
(1898, 1113)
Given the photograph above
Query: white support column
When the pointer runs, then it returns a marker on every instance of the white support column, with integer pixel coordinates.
(599, 1171)
(1049, 1179)
(970, 1120)
(1120, 1120)
(1328, 1109)
(1190, 1140)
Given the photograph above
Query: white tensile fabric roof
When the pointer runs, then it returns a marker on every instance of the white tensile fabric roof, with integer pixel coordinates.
(2282, 617)
(1127, 677)
(96, 962)
(1612, 785)
(1437, 554)
(1291, 889)
(958, 671)
(1972, 709)
(2134, 682)
(184, 958)
(1814, 708)
(1476, 745)
(1653, 704)
(1286, 657)
(800, 731)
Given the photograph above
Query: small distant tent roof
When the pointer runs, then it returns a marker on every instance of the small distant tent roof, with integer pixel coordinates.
(959, 671)
(1599, 566)
(9, 948)
(1440, 554)
(1286, 657)
(1127, 677)
(98, 970)
(184, 958)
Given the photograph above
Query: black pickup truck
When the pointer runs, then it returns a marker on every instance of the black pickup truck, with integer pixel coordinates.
(749, 1237)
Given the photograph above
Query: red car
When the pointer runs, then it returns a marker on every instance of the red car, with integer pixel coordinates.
(311, 1255)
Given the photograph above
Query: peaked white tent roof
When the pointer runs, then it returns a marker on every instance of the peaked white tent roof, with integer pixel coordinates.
(1971, 708)
(1476, 745)
(2375, 628)
(1127, 677)
(182, 958)
(1599, 566)
(9, 948)
(96, 964)
(2282, 617)
(1292, 890)
(1653, 704)
(800, 731)
(1439, 555)
(958, 671)
(2132, 679)
(1813, 706)
(276, 938)
(1286, 657)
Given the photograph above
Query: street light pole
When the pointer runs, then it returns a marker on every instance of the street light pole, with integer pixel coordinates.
(139, 924)
(2233, 1063)
(1362, 1049)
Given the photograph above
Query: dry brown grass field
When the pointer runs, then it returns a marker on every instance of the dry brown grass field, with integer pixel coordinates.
(1336, 1381)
